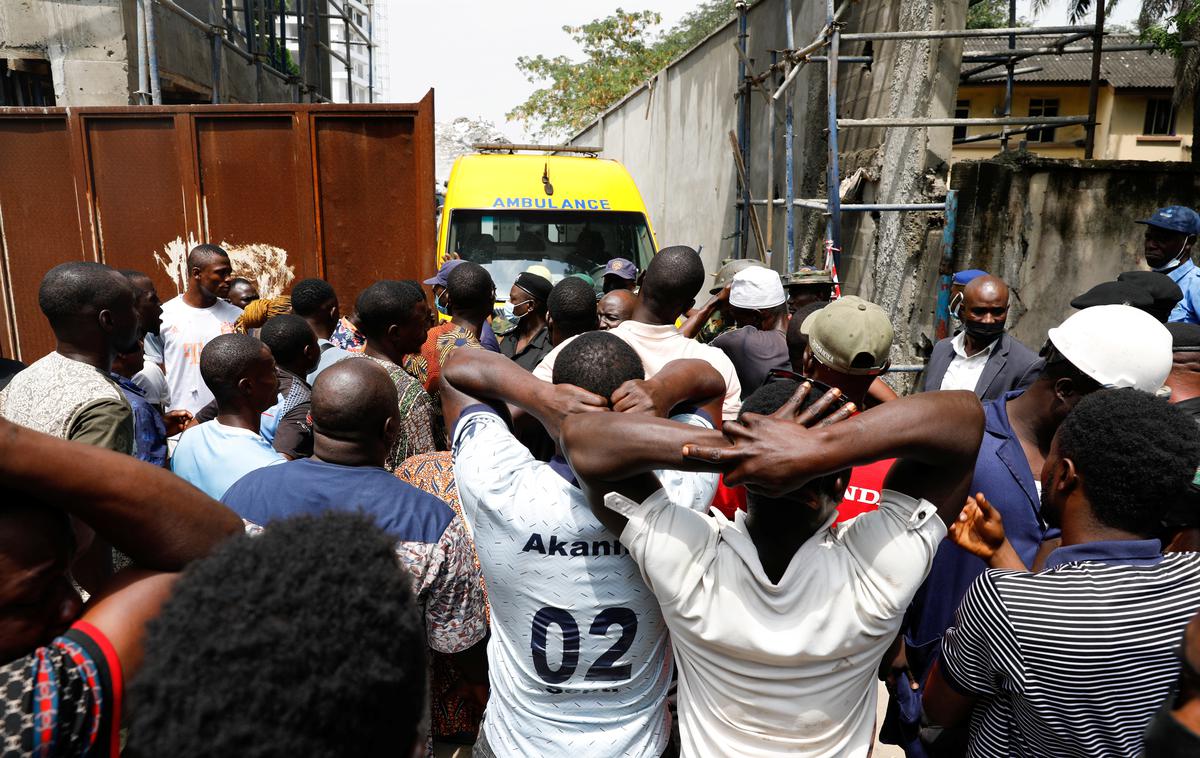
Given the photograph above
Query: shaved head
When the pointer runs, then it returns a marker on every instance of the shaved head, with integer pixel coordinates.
(616, 306)
(352, 399)
(990, 289)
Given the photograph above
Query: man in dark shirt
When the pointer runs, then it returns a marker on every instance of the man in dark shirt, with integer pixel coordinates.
(287, 424)
(758, 304)
(529, 340)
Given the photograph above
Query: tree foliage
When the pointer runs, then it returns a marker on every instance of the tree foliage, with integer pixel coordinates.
(620, 52)
(989, 14)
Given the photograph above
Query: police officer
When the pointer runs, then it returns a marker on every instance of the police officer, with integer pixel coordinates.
(1170, 234)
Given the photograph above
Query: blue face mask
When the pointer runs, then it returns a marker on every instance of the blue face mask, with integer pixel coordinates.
(441, 307)
(508, 312)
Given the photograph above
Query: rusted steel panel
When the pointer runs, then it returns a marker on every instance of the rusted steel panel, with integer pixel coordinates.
(137, 205)
(244, 203)
(363, 218)
(343, 191)
(39, 220)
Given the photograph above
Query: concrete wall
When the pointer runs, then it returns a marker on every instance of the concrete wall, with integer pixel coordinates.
(91, 46)
(84, 43)
(1054, 228)
(673, 137)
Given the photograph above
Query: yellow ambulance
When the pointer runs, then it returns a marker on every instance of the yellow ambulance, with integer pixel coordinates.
(556, 215)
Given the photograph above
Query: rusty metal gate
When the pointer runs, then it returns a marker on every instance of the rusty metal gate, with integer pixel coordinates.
(343, 192)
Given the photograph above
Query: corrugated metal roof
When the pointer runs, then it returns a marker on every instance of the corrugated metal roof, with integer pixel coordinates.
(1137, 68)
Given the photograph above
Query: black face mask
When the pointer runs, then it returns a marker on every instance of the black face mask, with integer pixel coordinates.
(985, 333)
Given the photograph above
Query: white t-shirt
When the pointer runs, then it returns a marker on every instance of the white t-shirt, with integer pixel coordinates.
(185, 331)
(787, 668)
(659, 345)
(578, 659)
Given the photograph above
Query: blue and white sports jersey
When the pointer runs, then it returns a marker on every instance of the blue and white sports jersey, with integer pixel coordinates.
(578, 659)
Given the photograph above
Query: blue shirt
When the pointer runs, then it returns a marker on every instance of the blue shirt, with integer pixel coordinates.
(213, 456)
(1187, 276)
(149, 431)
(311, 487)
(487, 338)
(330, 354)
(1003, 475)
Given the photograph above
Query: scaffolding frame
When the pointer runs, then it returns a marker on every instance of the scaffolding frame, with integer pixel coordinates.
(257, 32)
(826, 48)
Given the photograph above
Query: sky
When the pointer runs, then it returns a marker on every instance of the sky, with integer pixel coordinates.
(467, 49)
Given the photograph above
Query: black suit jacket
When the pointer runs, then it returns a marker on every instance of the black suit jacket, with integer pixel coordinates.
(1011, 366)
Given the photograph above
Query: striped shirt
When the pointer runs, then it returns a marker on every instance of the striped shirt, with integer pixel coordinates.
(1076, 659)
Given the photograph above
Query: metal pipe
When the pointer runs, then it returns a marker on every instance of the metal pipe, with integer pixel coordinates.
(833, 222)
(821, 205)
(770, 195)
(1089, 139)
(301, 47)
(143, 73)
(1010, 71)
(913, 368)
(370, 51)
(996, 135)
(743, 106)
(1026, 53)
(789, 171)
(998, 74)
(795, 56)
(349, 65)
(216, 54)
(946, 271)
(953, 33)
(1020, 55)
(260, 20)
(843, 59)
(152, 54)
(1014, 121)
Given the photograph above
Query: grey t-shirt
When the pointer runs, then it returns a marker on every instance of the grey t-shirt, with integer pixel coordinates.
(753, 352)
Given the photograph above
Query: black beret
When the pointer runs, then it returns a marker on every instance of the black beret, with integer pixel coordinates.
(1162, 288)
(1114, 293)
(538, 286)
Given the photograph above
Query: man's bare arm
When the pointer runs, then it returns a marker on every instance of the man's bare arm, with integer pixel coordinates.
(687, 380)
(944, 705)
(479, 376)
(157, 519)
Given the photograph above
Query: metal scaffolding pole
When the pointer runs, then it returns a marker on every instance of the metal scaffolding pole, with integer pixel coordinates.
(1089, 140)
(1010, 72)
(771, 170)
(833, 222)
(1014, 121)
(743, 107)
(152, 53)
(789, 171)
(216, 52)
(923, 34)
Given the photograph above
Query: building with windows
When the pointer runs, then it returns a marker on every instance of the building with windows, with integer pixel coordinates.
(355, 32)
(1134, 113)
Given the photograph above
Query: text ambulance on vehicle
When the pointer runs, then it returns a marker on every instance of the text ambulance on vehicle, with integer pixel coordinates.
(556, 215)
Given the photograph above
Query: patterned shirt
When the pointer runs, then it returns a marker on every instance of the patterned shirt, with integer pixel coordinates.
(416, 416)
(63, 699)
(149, 431)
(347, 337)
(71, 400)
(453, 715)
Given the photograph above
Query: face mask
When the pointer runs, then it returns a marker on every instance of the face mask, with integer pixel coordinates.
(956, 306)
(1174, 262)
(508, 313)
(441, 307)
(985, 333)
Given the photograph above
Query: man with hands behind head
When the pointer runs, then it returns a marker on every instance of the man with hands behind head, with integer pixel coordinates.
(557, 578)
(778, 619)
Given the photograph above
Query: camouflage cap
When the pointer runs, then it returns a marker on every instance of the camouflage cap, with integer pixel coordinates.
(729, 269)
(807, 275)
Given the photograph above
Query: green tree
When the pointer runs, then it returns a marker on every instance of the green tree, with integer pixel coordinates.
(620, 52)
(988, 14)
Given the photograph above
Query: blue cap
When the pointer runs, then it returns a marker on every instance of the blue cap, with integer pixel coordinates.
(622, 267)
(439, 279)
(1175, 218)
(965, 277)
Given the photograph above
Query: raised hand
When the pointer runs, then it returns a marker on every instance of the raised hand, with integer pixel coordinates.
(979, 529)
(638, 396)
(562, 400)
(774, 453)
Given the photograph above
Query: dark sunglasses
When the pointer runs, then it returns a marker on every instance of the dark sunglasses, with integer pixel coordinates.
(819, 389)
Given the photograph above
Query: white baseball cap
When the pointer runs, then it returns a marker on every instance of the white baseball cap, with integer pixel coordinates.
(1117, 345)
(756, 287)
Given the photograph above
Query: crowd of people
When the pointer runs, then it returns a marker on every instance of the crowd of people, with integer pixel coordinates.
(615, 523)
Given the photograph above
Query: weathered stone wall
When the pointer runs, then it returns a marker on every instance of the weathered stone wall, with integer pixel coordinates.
(1055, 228)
